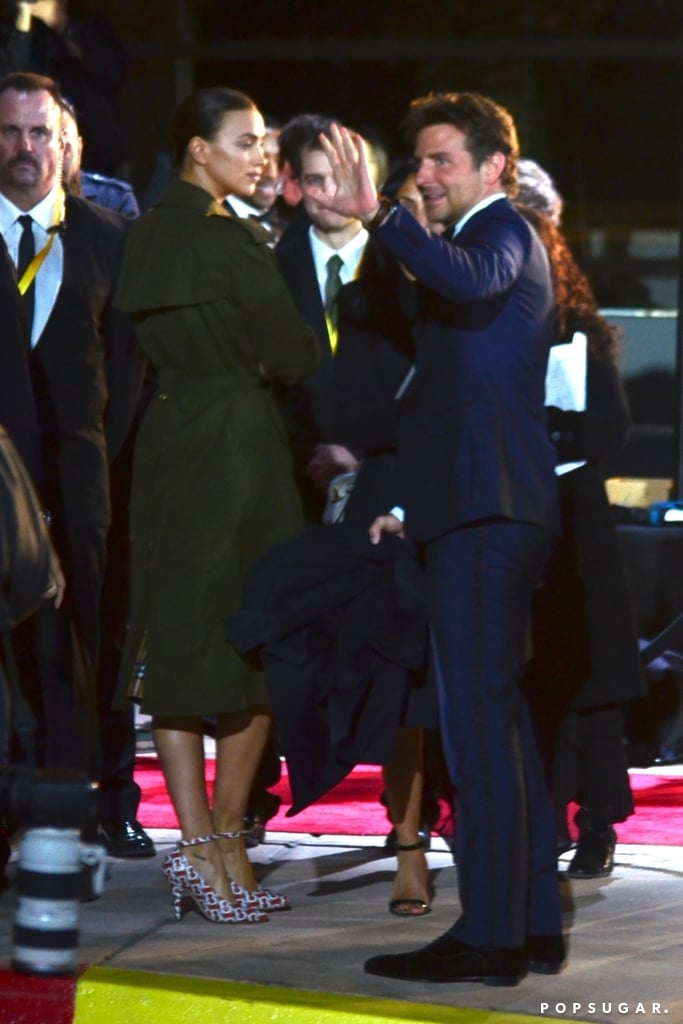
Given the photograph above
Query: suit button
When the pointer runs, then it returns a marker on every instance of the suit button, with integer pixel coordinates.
(556, 436)
(162, 397)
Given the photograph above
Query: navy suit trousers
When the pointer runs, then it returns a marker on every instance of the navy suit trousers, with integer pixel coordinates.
(480, 581)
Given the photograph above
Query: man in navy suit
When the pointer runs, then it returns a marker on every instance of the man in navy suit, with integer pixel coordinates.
(477, 485)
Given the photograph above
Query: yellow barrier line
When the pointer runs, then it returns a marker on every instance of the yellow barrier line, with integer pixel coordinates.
(112, 996)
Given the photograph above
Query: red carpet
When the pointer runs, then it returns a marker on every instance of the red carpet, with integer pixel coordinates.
(353, 808)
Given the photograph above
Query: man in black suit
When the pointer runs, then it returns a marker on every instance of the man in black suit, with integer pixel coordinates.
(86, 376)
(315, 264)
(476, 481)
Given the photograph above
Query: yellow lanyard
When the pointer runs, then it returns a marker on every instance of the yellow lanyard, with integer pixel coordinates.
(36, 263)
(332, 333)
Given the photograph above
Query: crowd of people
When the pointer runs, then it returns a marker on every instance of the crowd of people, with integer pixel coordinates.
(297, 360)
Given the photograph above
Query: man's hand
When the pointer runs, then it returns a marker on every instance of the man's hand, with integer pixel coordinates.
(386, 524)
(356, 195)
(328, 461)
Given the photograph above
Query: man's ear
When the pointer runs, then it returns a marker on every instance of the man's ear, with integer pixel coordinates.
(493, 167)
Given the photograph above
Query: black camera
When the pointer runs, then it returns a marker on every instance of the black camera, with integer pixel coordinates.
(36, 799)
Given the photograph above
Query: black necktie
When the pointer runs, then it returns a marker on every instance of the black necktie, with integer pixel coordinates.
(332, 286)
(27, 250)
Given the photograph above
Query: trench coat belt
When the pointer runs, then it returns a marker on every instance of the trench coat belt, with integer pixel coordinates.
(206, 386)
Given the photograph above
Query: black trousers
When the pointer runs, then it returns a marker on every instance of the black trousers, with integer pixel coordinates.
(70, 687)
(57, 652)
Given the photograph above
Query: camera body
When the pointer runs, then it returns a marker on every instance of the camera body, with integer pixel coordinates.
(31, 798)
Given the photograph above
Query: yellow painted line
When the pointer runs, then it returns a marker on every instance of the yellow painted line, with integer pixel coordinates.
(111, 996)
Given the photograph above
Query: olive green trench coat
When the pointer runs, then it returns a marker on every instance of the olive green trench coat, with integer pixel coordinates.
(212, 481)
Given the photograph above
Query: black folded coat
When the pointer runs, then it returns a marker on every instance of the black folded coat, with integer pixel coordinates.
(340, 626)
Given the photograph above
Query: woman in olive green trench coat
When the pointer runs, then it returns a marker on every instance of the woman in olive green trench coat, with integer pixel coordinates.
(212, 485)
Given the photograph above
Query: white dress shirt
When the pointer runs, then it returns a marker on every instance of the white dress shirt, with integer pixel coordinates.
(350, 255)
(48, 280)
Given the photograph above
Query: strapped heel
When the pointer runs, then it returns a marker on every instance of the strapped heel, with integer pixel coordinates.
(259, 898)
(188, 886)
(413, 906)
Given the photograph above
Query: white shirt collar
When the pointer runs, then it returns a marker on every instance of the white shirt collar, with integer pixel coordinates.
(242, 208)
(42, 213)
(481, 205)
(350, 255)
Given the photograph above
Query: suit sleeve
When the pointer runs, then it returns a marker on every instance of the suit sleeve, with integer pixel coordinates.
(487, 266)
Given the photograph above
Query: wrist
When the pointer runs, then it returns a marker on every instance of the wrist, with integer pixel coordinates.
(377, 217)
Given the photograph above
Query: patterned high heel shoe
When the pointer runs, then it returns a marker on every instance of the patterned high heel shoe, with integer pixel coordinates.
(262, 899)
(187, 884)
(258, 898)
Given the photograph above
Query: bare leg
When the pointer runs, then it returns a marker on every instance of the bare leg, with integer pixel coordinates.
(240, 741)
(180, 746)
(403, 782)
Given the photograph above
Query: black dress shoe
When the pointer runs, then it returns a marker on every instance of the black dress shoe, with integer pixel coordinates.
(594, 857)
(546, 954)
(448, 960)
(126, 838)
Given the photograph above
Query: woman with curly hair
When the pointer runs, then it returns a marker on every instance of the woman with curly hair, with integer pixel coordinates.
(586, 661)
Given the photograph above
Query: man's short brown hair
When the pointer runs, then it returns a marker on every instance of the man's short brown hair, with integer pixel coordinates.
(489, 128)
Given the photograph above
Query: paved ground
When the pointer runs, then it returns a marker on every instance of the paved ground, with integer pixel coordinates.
(626, 940)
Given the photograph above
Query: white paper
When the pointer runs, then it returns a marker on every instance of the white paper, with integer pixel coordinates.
(565, 380)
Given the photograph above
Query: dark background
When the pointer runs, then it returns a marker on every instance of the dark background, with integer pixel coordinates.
(594, 85)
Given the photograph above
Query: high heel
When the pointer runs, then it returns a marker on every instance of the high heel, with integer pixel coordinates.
(262, 899)
(410, 906)
(188, 885)
(258, 898)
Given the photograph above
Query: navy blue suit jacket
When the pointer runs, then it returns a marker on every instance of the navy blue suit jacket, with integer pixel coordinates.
(472, 437)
